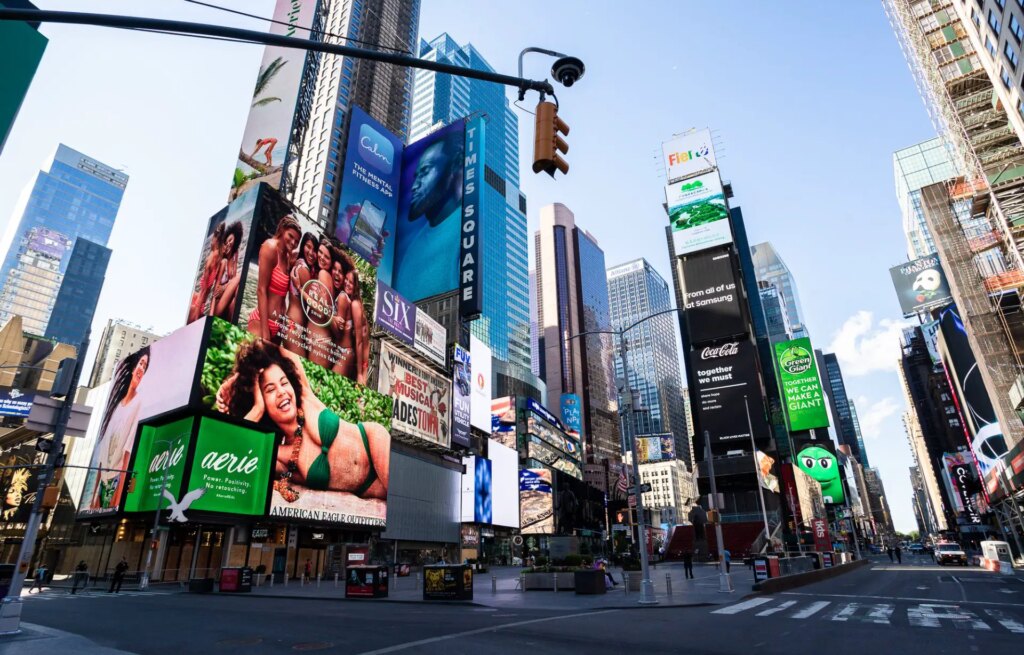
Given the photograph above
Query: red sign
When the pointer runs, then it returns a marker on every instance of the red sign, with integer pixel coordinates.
(822, 540)
(760, 569)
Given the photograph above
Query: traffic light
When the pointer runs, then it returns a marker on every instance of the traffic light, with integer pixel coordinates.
(546, 141)
(61, 386)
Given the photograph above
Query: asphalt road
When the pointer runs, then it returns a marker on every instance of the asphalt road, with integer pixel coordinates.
(911, 608)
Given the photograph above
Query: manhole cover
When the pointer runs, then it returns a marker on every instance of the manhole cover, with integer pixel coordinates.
(313, 645)
(241, 641)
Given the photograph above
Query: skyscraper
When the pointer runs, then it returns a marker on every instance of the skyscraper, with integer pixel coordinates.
(572, 298)
(776, 318)
(76, 300)
(635, 291)
(769, 267)
(76, 198)
(860, 435)
(835, 388)
(439, 100)
(332, 84)
(915, 168)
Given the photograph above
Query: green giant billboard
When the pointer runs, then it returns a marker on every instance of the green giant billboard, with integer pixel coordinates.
(801, 388)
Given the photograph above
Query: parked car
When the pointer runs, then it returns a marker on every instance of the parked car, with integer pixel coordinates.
(876, 549)
(950, 553)
(916, 549)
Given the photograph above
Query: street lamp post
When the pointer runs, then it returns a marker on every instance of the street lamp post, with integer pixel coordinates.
(144, 580)
(724, 578)
(757, 472)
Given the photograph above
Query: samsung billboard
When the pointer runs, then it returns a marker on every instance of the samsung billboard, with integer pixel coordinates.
(712, 306)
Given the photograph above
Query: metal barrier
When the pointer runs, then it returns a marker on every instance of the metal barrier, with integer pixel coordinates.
(668, 584)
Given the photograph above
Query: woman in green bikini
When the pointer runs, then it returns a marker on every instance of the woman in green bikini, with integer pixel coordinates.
(318, 450)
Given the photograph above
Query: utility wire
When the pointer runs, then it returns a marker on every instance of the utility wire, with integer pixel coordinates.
(278, 22)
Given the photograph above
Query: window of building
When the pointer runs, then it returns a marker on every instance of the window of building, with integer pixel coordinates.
(1004, 76)
(991, 47)
(993, 22)
(1016, 28)
(1001, 3)
(1011, 54)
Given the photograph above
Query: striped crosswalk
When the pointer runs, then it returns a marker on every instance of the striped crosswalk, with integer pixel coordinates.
(63, 595)
(948, 615)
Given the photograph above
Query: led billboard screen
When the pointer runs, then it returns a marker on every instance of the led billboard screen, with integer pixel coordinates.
(818, 460)
(920, 284)
(232, 465)
(698, 214)
(480, 396)
(395, 315)
(712, 306)
(724, 375)
(801, 387)
(504, 485)
(536, 502)
(160, 458)
(422, 398)
(461, 381)
(687, 155)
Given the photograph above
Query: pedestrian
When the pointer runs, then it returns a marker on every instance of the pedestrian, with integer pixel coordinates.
(727, 558)
(688, 564)
(899, 554)
(307, 570)
(118, 578)
(37, 584)
(889, 550)
(81, 576)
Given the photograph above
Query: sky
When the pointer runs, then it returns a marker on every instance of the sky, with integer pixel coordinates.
(807, 102)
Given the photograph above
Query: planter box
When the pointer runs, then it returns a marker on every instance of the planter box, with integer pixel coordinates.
(546, 581)
(589, 582)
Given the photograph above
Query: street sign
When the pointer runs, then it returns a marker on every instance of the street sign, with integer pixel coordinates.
(632, 501)
(645, 487)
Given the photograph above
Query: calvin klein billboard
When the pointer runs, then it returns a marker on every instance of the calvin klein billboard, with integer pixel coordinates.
(724, 374)
(712, 305)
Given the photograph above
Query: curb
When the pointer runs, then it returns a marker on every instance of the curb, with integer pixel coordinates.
(772, 585)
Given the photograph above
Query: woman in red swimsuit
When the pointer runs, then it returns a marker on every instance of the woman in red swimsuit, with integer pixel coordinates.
(208, 276)
(274, 262)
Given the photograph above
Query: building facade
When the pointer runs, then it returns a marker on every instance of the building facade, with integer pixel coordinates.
(75, 305)
(769, 267)
(914, 168)
(119, 339)
(76, 197)
(636, 291)
(776, 318)
(846, 431)
(572, 298)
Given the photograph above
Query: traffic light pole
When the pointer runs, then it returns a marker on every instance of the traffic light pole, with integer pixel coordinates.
(144, 580)
(10, 609)
(724, 578)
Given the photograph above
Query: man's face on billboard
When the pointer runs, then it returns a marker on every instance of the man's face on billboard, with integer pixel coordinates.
(430, 186)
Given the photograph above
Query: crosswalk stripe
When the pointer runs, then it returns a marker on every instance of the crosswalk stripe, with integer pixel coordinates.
(782, 606)
(1006, 621)
(929, 615)
(811, 609)
(876, 613)
(745, 605)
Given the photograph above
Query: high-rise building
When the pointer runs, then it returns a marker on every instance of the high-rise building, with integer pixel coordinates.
(689, 426)
(673, 489)
(860, 435)
(333, 84)
(76, 198)
(915, 168)
(21, 49)
(879, 502)
(922, 507)
(776, 318)
(846, 431)
(438, 100)
(120, 338)
(572, 298)
(769, 267)
(75, 305)
(636, 291)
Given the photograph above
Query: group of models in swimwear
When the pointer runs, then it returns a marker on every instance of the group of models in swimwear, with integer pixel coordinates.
(220, 277)
(318, 449)
(308, 299)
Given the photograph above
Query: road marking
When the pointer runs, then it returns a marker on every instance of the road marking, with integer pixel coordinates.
(929, 615)
(1007, 621)
(926, 600)
(876, 613)
(812, 609)
(745, 605)
(963, 591)
(783, 605)
(467, 633)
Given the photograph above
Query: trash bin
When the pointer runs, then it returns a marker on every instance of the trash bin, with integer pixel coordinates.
(366, 581)
(236, 580)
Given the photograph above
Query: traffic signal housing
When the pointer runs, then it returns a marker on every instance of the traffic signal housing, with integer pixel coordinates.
(547, 142)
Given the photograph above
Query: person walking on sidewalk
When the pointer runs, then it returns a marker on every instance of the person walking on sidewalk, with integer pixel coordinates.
(81, 576)
(37, 584)
(688, 564)
(899, 554)
(119, 571)
(727, 558)
(307, 570)
(889, 551)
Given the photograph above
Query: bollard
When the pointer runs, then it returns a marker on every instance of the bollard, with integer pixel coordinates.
(522, 582)
(554, 580)
(668, 584)
(317, 580)
(625, 582)
(302, 580)
(417, 582)
(271, 580)
(494, 584)
(335, 580)
(286, 579)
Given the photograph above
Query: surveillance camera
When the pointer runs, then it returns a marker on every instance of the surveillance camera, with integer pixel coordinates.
(568, 70)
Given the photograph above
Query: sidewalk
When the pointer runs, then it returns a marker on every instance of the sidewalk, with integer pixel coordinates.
(40, 640)
(703, 590)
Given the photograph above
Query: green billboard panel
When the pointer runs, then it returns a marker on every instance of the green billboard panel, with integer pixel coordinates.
(233, 464)
(821, 464)
(160, 453)
(801, 388)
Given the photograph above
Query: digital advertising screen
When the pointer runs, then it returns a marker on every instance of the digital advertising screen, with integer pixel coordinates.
(422, 398)
(725, 374)
(689, 154)
(395, 315)
(231, 469)
(712, 306)
(698, 214)
(504, 485)
(160, 458)
(818, 460)
(480, 396)
(920, 284)
(461, 390)
(536, 502)
(477, 495)
(801, 387)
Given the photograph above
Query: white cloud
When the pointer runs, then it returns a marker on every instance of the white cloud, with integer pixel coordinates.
(864, 347)
(871, 415)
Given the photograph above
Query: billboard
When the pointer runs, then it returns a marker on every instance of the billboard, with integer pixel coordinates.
(217, 284)
(503, 421)
(536, 502)
(160, 457)
(698, 214)
(424, 261)
(477, 506)
(232, 464)
(548, 455)
(818, 460)
(461, 376)
(712, 306)
(19, 483)
(554, 436)
(504, 485)
(801, 387)
(368, 207)
(470, 287)
(964, 485)
(265, 143)
(422, 398)
(724, 375)
(687, 155)
(305, 291)
(431, 337)
(920, 284)
(572, 415)
(480, 397)
(982, 429)
(15, 402)
(655, 448)
(154, 379)
(395, 315)
(334, 446)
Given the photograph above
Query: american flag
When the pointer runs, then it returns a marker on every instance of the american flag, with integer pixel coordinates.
(622, 484)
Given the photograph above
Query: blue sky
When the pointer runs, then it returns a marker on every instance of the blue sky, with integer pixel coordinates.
(807, 101)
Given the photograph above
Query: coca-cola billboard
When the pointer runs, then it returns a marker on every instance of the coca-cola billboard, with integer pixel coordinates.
(712, 303)
(722, 375)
